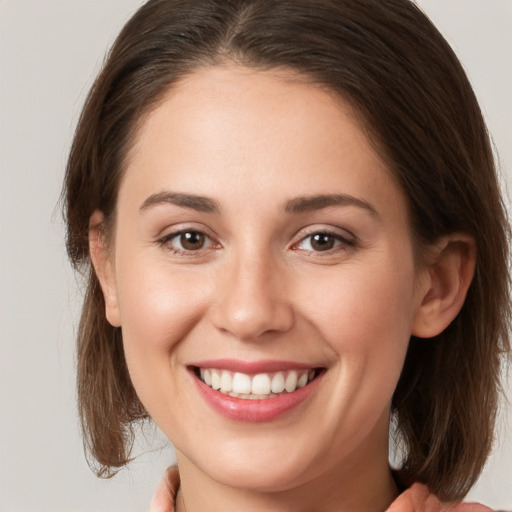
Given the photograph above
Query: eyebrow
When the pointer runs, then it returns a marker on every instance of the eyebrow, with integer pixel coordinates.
(302, 204)
(191, 201)
(311, 203)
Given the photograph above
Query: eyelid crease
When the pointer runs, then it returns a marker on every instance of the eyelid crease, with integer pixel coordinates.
(338, 232)
(344, 241)
(164, 240)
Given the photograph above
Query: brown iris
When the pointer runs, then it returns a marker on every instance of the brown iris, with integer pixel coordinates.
(192, 240)
(322, 242)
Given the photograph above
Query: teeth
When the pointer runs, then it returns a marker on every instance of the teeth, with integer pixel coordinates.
(226, 382)
(291, 382)
(277, 385)
(303, 380)
(215, 379)
(241, 383)
(262, 385)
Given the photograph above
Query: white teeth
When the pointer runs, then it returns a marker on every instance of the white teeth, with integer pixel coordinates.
(257, 387)
(291, 382)
(261, 384)
(242, 383)
(226, 382)
(303, 380)
(277, 385)
(215, 379)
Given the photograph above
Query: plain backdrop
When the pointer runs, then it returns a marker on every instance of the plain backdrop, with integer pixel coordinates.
(50, 51)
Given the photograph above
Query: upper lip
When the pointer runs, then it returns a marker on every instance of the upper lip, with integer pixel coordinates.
(252, 367)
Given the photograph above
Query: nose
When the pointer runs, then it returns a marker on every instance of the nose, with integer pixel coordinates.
(252, 299)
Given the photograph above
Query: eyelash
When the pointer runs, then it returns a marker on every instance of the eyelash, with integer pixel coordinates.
(166, 242)
(343, 243)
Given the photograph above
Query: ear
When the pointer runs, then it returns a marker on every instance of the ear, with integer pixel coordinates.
(103, 266)
(449, 272)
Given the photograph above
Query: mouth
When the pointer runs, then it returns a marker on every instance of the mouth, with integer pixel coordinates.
(256, 391)
(260, 386)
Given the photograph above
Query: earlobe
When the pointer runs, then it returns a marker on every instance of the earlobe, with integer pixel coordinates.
(102, 264)
(450, 271)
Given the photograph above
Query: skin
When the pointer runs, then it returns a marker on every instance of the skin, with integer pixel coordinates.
(417, 498)
(252, 143)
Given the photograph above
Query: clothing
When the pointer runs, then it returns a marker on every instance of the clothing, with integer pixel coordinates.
(416, 498)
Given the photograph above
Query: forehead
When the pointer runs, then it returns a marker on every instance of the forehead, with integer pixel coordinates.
(244, 130)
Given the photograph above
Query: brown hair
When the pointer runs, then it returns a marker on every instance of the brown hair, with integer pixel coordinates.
(387, 59)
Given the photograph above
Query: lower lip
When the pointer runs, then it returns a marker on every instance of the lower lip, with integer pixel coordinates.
(255, 411)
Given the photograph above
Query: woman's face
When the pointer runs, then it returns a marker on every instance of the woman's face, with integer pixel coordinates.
(263, 246)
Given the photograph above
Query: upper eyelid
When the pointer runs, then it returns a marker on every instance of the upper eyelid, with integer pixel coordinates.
(347, 241)
(174, 234)
(164, 242)
(340, 239)
(300, 235)
(170, 232)
(330, 230)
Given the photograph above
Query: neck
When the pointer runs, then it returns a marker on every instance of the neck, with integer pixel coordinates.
(361, 482)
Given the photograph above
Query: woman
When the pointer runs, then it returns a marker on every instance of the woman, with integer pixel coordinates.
(296, 235)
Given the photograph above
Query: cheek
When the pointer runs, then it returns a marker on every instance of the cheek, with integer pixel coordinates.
(158, 307)
(361, 304)
(364, 313)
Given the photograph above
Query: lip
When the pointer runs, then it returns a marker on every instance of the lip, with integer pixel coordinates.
(252, 367)
(254, 411)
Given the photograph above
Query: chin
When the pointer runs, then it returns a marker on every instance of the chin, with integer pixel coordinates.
(260, 476)
(259, 464)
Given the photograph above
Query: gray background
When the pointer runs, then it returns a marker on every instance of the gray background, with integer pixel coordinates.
(50, 51)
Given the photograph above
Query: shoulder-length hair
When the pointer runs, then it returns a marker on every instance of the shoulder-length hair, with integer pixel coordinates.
(388, 60)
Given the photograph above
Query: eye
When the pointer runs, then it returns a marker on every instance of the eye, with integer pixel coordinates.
(186, 241)
(191, 240)
(324, 241)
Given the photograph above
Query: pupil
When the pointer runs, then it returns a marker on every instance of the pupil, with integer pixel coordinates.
(192, 241)
(322, 242)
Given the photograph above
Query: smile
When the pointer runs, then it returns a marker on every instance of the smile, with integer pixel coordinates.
(256, 387)
(258, 391)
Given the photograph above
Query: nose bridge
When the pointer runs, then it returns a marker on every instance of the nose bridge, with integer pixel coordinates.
(252, 297)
